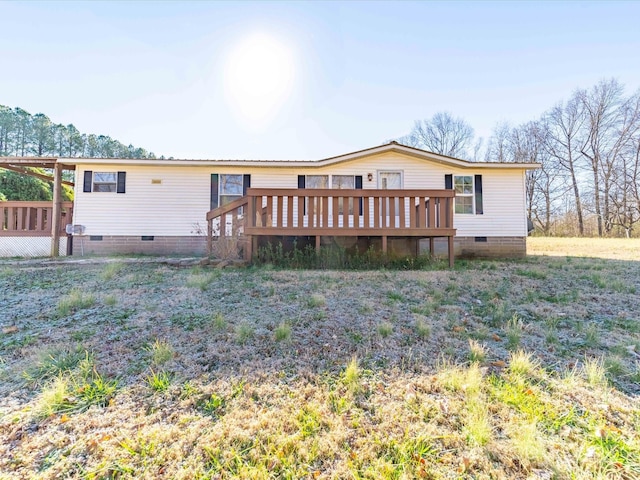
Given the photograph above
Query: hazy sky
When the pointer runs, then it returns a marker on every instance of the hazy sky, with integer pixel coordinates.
(303, 80)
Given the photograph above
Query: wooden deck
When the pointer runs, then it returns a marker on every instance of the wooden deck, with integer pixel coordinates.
(327, 212)
(32, 219)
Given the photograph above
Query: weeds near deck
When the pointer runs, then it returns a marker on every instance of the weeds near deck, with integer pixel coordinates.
(334, 257)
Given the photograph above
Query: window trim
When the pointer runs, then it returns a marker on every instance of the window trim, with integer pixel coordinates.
(471, 195)
(90, 184)
(233, 196)
(216, 193)
(350, 204)
(113, 185)
(306, 181)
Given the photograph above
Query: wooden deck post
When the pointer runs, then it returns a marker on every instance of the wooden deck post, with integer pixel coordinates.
(384, 244)
(247, 251)
(450, 239)
(318, 244)
(209, 237)
(254, 246)
(57, 210)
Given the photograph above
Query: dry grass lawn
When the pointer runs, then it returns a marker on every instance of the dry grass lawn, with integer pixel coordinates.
(498, 369)
(610, 248)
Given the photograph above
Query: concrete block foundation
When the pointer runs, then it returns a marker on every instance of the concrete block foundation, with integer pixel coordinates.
(150, 245)
(480, 247)
(465, 247)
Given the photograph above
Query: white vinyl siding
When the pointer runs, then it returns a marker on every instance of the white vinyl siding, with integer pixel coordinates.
(182, 200)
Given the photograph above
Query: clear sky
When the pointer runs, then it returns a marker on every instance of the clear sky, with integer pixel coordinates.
(303, 80)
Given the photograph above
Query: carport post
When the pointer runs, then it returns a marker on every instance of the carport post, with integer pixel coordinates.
(57, 210)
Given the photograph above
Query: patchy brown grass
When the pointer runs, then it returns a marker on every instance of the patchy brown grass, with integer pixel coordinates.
(506, 369)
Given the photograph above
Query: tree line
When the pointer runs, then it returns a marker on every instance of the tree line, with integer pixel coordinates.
(589, 150)
(23, 134)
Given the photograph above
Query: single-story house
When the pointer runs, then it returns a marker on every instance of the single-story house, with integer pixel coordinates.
(392, 196)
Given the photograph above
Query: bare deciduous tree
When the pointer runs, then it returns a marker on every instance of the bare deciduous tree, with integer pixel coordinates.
(623, 195)
(589, 151)
(610, 124)
(498, 145)
(441, 134)
(562, 144)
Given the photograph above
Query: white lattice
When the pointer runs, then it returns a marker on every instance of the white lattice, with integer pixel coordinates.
(29, 246)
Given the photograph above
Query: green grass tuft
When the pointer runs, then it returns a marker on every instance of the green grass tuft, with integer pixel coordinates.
(161, 352)
(110, 270)
(477, 352)
(244, 332)
(159, 381)
(75, 300)
(55, 362)
(283, 332)
(316, 300)
(385, 329)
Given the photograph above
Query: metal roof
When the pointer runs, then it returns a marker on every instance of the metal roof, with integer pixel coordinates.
(48, 162)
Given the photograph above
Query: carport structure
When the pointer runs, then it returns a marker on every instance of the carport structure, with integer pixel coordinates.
(37, 219)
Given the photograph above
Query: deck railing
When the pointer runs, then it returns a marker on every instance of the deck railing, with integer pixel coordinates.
(349, 212)
(329, 212)
(31, 219)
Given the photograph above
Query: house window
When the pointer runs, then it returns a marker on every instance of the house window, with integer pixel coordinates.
(114, 182)
(105, 181)
(317, 181)
(463, 186)
(344, 182)
(226, 188)
(231, 188)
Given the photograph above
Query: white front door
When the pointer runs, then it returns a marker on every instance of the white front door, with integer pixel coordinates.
(391, 180)
(388, 180)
